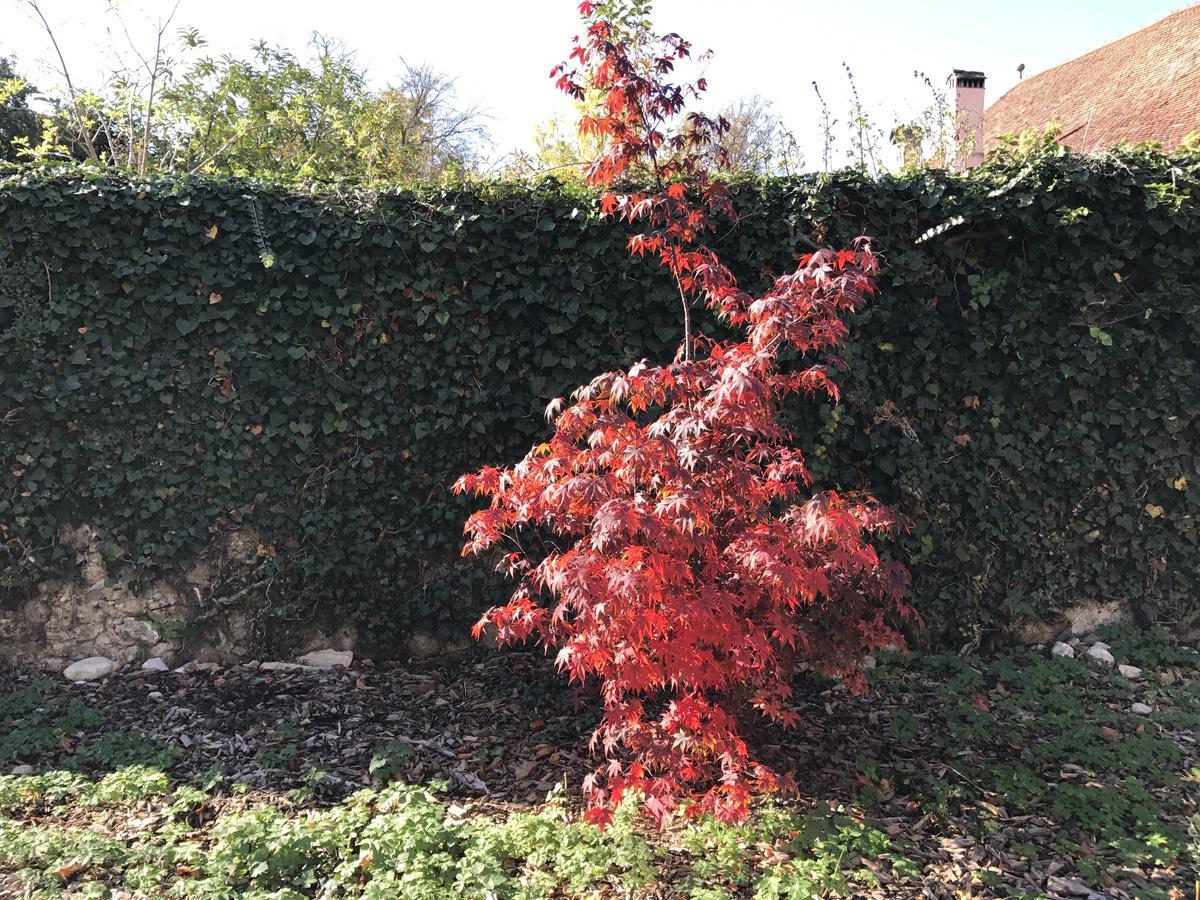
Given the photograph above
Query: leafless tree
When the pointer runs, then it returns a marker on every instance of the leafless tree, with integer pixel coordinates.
(431, 125)
(757, 140)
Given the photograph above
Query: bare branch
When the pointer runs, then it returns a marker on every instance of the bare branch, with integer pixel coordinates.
(163, 25)
(89, 145)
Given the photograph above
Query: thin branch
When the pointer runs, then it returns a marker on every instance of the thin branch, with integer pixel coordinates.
(225, 146)
(154, 71)
(83, 131)
(658, 180)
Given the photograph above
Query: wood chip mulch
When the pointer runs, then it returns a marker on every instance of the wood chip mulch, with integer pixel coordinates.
(503, 731)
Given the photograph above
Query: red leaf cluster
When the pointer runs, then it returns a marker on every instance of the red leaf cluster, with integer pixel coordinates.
(683, 562)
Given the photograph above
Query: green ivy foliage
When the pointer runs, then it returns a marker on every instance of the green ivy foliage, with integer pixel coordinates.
(187, 357)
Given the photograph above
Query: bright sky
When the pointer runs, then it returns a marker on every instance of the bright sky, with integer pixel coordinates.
(501, 52)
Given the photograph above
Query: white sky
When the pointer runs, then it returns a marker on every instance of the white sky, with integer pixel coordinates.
(501, 52)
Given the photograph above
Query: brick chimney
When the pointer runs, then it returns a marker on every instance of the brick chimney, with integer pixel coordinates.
(968, 117)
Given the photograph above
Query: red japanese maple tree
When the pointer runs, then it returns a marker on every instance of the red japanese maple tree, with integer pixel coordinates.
(689, 568)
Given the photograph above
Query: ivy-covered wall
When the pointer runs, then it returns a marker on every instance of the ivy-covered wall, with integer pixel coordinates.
(182, 359)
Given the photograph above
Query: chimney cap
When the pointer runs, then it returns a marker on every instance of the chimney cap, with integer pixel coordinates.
(968, 78)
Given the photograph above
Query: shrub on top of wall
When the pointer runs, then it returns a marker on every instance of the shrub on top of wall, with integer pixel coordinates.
(185, 358)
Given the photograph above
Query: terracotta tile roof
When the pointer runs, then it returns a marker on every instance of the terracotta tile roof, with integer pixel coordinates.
(1143, 87)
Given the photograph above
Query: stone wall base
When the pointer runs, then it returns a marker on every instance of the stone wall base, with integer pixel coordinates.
(99, 614)
(179, 621)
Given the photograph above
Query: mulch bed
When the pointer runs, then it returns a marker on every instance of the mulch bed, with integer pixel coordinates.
(503, 730)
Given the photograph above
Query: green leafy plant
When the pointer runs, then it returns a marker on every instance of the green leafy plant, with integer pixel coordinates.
(119, 749)
(389, 760)
(129, 785)
(284, 756)
(38, 723)
(1152, 648)
(818, 853)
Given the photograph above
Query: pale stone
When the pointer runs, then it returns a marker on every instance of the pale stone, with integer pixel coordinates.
(67, 634)
(192, 667)
(207, 654)
(423, 643)
(92, 568)
(137, 630)
(286, 667)
(1038, 632)
(96, 595)
(1141, 709)
(164, 601)
(91, 669)
(1061, 649)
(1069, 887)
(22, 770)
(1129, 671)
(1087, 617)
(325, 635)
(36, 612)
(488, 638)
(155, 664)
(327, 659)
(1100, 654)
